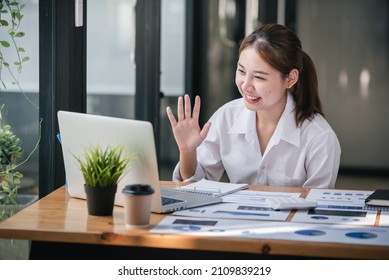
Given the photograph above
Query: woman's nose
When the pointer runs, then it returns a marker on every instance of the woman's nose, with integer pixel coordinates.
(246, 83)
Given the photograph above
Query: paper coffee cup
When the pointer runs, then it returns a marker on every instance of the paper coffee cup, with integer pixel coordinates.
(137, 205)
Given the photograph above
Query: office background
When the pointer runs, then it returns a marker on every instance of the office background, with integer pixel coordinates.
(132, 58)
(196, 53)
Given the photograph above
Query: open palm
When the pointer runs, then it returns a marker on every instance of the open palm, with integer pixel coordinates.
(186, 129)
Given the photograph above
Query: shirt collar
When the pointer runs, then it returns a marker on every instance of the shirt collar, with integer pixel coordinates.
(244, 123)
(286, 129)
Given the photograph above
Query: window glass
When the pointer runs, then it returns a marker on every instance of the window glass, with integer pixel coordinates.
(110, 57)
(172, 77)
(19, 99)
(110, 61)
(172, 47)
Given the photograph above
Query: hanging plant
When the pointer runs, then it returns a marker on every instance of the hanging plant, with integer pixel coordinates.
(10, 151)
(10, 19)
(10, 145)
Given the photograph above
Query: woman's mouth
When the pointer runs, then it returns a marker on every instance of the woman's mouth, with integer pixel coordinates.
(252, 99)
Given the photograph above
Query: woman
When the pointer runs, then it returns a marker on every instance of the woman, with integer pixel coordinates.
(275, 134)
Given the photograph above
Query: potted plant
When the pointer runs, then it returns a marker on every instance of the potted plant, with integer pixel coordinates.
(102, 169)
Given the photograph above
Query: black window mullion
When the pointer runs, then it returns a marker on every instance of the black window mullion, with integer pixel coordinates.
(147, 59)
(62, 82)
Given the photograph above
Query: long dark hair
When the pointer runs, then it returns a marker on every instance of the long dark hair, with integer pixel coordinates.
(281, 48)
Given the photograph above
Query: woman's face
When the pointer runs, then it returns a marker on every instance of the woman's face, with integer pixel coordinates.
(262, 87)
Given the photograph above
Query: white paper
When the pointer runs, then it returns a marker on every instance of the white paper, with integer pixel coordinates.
(236, 211)
(306, 232)
(213, 227)
(251, 197)
(333, 216)
(214, 188)
(347, 198)
(384, 219)
(333, 233)
(337, 207)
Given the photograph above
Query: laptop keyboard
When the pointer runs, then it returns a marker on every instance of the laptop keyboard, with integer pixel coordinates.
(168, 200)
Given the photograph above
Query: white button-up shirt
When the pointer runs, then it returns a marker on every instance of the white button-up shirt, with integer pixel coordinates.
(307, 156)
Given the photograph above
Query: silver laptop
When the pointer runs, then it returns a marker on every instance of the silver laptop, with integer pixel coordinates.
(78, 130)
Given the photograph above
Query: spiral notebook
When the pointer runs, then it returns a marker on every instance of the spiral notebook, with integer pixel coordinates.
(212, 188)
(380, 197)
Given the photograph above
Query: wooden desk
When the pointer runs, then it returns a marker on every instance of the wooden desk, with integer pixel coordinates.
(59, 219)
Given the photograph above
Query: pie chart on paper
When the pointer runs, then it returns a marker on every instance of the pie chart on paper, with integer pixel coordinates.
(310, 232)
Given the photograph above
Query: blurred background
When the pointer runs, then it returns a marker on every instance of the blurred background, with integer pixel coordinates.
(348, 41)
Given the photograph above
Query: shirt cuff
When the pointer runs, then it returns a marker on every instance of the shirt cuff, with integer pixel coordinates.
(199, 174)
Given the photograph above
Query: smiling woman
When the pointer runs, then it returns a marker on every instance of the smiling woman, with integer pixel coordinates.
(275, 134)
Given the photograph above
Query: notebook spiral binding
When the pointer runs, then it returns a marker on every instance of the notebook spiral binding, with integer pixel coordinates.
(201, 190)
(376, 208)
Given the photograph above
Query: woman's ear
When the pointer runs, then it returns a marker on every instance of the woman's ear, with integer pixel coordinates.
(292, 78)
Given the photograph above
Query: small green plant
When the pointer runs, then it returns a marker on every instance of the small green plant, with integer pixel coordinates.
(103, 167)
(10, 151)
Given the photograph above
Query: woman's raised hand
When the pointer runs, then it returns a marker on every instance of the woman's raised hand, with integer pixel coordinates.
(186, 129)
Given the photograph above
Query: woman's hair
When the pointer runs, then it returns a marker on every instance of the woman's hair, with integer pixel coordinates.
(280, 47)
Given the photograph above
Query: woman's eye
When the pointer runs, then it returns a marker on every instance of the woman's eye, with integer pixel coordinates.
(259, 78)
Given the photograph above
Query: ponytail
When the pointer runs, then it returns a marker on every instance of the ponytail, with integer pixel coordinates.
(306, 93)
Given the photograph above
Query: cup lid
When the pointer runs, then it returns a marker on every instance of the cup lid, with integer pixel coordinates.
(138, 189)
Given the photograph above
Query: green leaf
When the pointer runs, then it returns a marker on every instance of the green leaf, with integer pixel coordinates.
(26, 58)
(20, 49)
(3, 23)
(5, 44)
(103, 168)
(19, 16)
(19, 34)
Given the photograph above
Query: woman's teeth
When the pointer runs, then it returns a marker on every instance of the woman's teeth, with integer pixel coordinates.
(252, 97)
